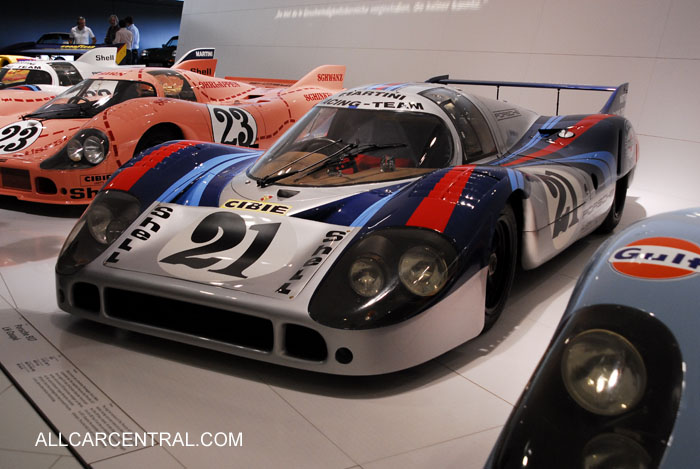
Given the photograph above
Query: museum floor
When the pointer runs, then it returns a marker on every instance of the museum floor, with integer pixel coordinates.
(445, 413)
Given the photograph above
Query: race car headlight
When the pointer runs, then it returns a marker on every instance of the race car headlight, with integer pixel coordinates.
(86, 149)
(613, 450)
(367, 276)
(603, 372)
(75, 150)
(422, 271)
(102, 223)
(385, 278)
(606, 394)
(94, 149)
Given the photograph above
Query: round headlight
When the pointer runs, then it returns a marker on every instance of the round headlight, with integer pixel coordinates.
(105, 226)
(423, 271)
(93, 150)
(611, 450)
(75, 150)
(367, 276)
(603, 372)
(99, 218)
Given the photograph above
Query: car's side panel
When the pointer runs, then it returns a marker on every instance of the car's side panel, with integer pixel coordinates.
(572, 187)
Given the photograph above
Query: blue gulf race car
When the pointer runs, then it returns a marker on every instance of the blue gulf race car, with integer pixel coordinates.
(381, 231)
(618, 385)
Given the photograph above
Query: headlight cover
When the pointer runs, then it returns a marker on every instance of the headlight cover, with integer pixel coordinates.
(384, 278)
(603, 372)
(551, 428)
(613, 450)
(423, 271)
(87, 148)
(102, 223)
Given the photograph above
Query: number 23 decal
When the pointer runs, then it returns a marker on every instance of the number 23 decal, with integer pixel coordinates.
(19, 135)
(218, 235)
(233, 125)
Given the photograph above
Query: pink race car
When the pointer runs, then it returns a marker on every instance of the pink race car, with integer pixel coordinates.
(62, 152)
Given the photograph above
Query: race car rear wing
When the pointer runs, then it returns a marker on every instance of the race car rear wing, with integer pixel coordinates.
(103, 56)
(199, 60)
(325, 76)
(614, 105)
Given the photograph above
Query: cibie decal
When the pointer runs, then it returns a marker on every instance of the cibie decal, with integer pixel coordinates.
(233, 125)
(225, 246)
(254, 206)
(19, 135)
(657, 258)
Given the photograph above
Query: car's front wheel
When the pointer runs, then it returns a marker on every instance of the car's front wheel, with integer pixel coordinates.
(501, 264)
(157, 135)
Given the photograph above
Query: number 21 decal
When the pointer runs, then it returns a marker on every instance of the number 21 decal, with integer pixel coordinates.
(233, 125)
(225, 247)
(19, 135)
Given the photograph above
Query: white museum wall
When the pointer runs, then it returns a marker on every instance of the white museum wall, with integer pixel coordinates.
(652, 44)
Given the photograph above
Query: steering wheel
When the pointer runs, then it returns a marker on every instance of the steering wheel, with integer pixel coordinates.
(78, 100)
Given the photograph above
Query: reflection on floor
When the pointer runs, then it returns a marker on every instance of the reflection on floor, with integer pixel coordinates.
(446, 413)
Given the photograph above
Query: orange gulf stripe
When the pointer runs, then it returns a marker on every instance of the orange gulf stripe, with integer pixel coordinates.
(651, 271)
(436, 209)
(578, 129)
(670, 242)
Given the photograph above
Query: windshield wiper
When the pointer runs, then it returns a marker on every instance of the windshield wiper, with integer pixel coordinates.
(271, 179)
(264, 179)
(330, 160)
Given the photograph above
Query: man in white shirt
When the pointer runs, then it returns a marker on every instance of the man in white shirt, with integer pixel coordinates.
(135, 41)
(124, 36)
(82, 34)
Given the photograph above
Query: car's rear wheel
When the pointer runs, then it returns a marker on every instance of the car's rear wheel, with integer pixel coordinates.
(502, 261)
(156, 136)
(615, 214)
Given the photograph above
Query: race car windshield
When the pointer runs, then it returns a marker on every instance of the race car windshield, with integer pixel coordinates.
(22, 76)
(337, 146)
(90, 97)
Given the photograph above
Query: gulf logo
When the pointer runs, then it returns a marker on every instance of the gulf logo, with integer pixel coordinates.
(657, 258)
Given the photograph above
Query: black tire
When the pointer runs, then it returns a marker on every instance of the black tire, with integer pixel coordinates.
(615, 214)
(156, 136)
(502, 262)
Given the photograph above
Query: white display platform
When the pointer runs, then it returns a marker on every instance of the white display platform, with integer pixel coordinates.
(446, 413)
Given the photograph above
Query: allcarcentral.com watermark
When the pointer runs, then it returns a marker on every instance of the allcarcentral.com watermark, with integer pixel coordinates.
(133, 439)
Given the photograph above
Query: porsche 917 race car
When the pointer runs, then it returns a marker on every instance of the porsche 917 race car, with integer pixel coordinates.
(64, 151)
(381, 231)
(41, 80)
(618, 385)
(56, 76)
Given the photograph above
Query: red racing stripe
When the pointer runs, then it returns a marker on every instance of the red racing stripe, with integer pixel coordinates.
(128, 177)
(436, 209)
(578, 129)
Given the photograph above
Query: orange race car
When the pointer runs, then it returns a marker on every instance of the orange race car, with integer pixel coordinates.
(64, 151)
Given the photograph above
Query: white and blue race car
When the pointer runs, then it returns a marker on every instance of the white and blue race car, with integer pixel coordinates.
(383, 229)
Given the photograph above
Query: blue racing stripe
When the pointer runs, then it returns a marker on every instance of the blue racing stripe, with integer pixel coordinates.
(551, 122)
(600, 159)
(181, 183)
(373, 209)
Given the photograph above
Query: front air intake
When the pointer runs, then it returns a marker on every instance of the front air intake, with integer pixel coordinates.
(190, 318)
